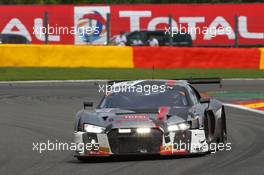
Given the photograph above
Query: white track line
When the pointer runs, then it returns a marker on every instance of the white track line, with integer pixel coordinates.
(50, 81)
(83, 81)
(244, 108)
(98, 80)
(242, 79)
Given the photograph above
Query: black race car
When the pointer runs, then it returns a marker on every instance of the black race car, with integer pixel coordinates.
(165, 117)
(164, 39)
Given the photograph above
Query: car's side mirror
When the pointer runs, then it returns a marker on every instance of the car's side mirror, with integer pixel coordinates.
(204, 100)
(87, 104)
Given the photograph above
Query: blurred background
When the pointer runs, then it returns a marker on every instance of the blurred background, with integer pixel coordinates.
(201, 23)
(45, 39)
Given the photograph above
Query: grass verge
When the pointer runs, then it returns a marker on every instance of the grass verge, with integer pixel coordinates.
(13, 74)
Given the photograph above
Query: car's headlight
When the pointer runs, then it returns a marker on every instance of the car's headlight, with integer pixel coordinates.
(143, 130)
(179, 127)
(93, 128)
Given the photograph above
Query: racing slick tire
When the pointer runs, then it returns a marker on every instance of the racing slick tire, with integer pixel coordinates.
(223, 127)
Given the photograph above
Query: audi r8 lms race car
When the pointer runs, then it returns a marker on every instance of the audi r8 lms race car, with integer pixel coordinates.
(164, 117)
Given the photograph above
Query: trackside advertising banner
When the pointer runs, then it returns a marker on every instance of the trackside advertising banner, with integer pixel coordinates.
(68, 24)
(24, 19)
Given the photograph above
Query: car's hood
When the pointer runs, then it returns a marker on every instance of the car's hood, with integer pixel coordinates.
(133, 118)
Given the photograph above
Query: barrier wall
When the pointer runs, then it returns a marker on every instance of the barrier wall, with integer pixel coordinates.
(65, 56)
(262, 59)
(173, 57)
(129, 57)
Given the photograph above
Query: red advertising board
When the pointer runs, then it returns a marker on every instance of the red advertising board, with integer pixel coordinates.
(29, 21)
(213, 23)
(205, 16)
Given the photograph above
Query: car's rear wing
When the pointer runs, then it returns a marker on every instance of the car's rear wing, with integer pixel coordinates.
(205, 81)
(215, 80)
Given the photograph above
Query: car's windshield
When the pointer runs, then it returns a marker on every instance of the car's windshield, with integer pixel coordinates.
(126, 100)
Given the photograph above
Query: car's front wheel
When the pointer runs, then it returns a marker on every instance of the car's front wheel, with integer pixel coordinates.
(81, 158)
(223, 127)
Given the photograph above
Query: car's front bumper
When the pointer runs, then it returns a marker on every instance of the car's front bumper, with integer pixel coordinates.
(156, 142)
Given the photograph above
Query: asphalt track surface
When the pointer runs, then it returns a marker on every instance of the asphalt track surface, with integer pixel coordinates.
(38, 112)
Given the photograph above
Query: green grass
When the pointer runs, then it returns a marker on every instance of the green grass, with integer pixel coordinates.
(12, 74)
